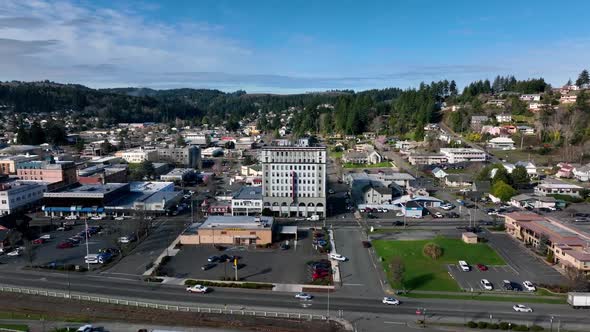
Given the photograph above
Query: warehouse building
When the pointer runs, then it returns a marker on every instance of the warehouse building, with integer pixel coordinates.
(230, 230)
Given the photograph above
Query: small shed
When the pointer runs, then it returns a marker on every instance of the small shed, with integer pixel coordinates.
(469, 237)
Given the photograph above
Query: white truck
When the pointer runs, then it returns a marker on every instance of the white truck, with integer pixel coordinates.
(314, 217)
(578, 300)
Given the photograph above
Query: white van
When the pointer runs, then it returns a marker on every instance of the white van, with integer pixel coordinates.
(464, 266)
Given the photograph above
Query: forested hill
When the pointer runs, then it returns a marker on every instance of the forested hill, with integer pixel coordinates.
(143, 104)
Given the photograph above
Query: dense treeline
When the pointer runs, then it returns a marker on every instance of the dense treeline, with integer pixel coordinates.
(505, 84)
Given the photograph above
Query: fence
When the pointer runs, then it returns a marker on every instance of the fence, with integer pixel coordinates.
(152, 305)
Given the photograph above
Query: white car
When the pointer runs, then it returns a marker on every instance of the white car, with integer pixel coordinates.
(385, 210)
(529, 286)
(15, 252)
(197, 289)
(85, 328)
(96, 218)
(399, 214)
(337, 257)
(45, 237)
(120, 218)
(447, 207)
(303, 296)
(331, 191)
(71, 218)
(390, 301)
(486, 284)
(464, 266)
(521, 308)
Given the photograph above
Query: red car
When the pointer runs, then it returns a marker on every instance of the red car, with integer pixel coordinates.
(482, 267)
(320, 274)
(38, 241)
(65, 245)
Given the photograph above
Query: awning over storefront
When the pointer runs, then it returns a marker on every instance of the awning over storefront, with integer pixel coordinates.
(292, 230)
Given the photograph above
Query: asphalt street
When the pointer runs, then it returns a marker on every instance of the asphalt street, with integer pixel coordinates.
(285, 302)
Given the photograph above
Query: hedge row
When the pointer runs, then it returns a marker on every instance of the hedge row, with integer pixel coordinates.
(249, 285)
(503, 326)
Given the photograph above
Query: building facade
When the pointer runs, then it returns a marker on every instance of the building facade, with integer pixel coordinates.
(63, 173)
(189, 156)
(457, 155)
(247, 201)
(136, 156)
(294, 180)
(18, 196)
(545, 189)
(8, 164)
(230, 230)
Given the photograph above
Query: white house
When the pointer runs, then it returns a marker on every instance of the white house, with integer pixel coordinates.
(457, 155)
(439, 173)
(558, 188)
(504, 117)
(531, 169)
(362, 157)
(504, 143)
(533, 202)
(134, 156)
(530, 97)
(582, 173)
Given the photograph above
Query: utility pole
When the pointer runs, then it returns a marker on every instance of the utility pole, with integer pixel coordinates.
(236, 267)
(328, 309)
(551, 321)
(87, 251)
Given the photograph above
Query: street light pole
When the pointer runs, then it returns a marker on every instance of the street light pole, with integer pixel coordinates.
(328, 309)
(551, 321)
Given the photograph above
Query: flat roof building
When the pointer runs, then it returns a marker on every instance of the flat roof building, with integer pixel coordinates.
(230, 230)
(247, 201)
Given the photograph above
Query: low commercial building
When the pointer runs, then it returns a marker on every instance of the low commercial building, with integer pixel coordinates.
(413, 209)
(18, 196)
(247, 201)
(457, 155)
(533, 202)
(179, 175)
(8, 164)
(230, 230)
(582, 173)
(101, 174)
(568, 245)
(427, 159)
(469, 237)
(135, 156)
(59, 173)
(188, 156)
(558, 188)
(84, 200)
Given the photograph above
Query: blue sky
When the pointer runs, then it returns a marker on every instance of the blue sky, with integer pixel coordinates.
(290, 46)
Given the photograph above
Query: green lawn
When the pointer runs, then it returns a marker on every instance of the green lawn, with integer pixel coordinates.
(423, 273)
(381, 164)
(336, 154)
(485, 297)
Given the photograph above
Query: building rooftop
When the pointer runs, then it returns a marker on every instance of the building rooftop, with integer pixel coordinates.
(249, 192)
(460, 150)
(149, 186)
(91, 190)
(237, 222)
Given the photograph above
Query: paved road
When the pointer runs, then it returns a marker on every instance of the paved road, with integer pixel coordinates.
(365, 305)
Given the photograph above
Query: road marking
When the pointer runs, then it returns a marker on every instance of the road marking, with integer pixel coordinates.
(396, 323)
(353, 284)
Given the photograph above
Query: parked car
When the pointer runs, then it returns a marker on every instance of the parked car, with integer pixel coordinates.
(521, 308)
(96, 217)
(197, 289)
(320, 274)
(38, 241)
(207, 266)
(102, 258)
(529, 286)
(112, 251)
(85, 328)
(71, 218)
(119, 218)
(464, 266)
(15, 252)
(212, 259)
(45, 237)
(337, 257)
(303, 296)
(64, 228)
(452, 215)
(437, 215)
(486, 284)
(390, 301)
(482, 267)
(366, 244)
(507, 285)
(128, 239)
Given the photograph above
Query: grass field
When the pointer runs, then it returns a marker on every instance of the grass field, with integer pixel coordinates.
(381, 164)
(423, 273)
(16, 327)
(336, 155)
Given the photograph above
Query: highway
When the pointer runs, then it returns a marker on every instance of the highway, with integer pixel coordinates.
(132, 288)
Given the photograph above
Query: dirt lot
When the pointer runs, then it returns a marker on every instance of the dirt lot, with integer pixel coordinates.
(60, 309)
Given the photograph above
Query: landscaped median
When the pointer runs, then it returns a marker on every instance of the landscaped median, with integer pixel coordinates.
(229, 284)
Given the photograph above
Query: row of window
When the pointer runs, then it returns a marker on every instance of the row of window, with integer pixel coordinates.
(295, 167)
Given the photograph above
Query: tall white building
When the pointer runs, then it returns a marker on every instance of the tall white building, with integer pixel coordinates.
(19, 195)
(294, 180)
(134, 156)
(458, 155)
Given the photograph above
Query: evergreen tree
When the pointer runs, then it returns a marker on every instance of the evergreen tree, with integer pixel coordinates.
(453, 88)
(583, 79)
(37, 134)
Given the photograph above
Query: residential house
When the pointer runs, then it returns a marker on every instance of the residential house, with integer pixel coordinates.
(526, 130)
(496, 102)
(535, 106)
(458, 180)
(582, 173)
(530, 97)
(439, 173)
(362, 157)
(504, 117)
(558, 188)
(532, 202)
(531, 169)
(504, 143)
(569, 98)
(477, 121)
(565, 171)
(376, 194)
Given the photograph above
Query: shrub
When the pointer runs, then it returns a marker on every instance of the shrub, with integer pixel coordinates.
(537, 328)
(482, 325)
(432, 250)
(248, 285)
(494, 326)
(517, 327)
(471, 324)
(504, 326)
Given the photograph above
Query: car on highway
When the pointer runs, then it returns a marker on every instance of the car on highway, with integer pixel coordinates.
(96, 218)
(486, 284)
(119, 218)
(390, 301)
(197, 289)
(337, 257)
(127, 239)
(529, 286)
(438, 215)
(482, 267)
(303, 296)
(85, 328)
(71, 218)
(521, 308)
(64, 228)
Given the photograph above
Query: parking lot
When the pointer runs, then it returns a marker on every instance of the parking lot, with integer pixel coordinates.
(470, 281)
(256, 264)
